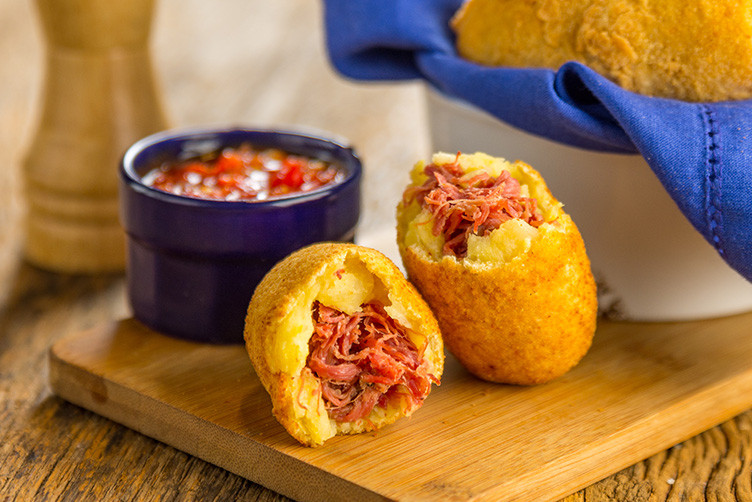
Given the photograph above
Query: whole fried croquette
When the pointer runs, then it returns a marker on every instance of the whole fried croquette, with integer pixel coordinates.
(502, 266)
(342, 342)
(692, 51)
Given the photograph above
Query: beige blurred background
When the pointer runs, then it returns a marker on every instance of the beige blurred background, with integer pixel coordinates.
(214, 64)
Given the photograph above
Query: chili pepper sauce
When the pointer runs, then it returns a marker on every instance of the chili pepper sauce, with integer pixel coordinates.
(243, 173)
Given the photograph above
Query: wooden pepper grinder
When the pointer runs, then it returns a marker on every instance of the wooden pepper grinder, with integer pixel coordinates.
(99, 97)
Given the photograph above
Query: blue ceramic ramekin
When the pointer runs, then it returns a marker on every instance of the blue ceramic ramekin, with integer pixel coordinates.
(193, 264)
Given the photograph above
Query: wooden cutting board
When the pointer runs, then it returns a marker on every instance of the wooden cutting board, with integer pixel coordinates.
(641, 389)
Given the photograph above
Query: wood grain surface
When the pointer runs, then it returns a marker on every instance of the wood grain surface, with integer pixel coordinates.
(235, 61)
(641, 388)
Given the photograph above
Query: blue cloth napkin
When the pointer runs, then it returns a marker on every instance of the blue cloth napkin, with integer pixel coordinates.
(701, 152)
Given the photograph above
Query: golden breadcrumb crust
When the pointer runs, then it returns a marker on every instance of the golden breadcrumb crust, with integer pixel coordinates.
(692, 51)
(521, 320)
(279, 325)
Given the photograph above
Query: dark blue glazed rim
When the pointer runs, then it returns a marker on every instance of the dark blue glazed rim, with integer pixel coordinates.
(193, 264)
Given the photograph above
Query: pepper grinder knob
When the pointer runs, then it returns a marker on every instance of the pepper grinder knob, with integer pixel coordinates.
(99, 97)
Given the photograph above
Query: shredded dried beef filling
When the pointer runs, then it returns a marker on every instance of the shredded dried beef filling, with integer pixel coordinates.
(363, 360)
(476, 203)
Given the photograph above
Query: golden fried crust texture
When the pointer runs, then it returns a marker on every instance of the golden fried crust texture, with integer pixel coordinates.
(279, 325)
(523, 321)
(693, 51)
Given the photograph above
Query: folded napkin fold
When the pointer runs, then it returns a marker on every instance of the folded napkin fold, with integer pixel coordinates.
(701, 152)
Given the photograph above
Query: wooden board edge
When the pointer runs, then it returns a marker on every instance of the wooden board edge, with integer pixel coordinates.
(260, 463)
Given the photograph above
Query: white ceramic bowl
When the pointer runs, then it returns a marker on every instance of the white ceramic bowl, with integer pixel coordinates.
(648, 260)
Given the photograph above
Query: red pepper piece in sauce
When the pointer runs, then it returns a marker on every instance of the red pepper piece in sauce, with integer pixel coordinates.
(195, 167)
(291, 175)
(229, 162)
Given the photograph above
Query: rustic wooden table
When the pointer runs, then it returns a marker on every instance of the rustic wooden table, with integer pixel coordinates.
(236, 61)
